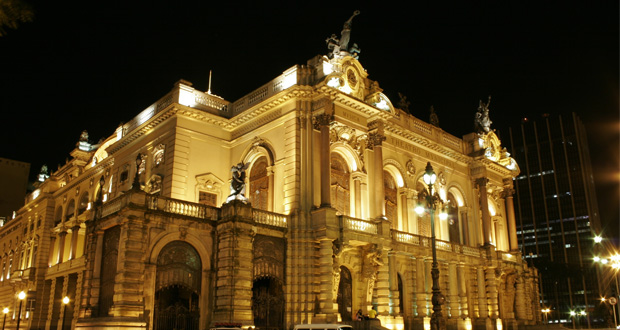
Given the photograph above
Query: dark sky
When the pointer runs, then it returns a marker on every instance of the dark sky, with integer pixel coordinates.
(91, 65)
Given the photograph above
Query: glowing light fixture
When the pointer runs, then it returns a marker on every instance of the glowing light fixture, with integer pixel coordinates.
(598, 239)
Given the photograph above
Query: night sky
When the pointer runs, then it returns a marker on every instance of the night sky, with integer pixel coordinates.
(92, 65)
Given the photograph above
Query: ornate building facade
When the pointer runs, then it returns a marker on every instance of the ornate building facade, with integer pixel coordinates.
(141, 231)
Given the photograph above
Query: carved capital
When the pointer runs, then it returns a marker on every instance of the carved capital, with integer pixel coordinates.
(375, 139)
(323, 119)
(481, 182)
(507, 193)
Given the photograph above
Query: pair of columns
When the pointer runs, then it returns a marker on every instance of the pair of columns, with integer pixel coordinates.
(375, 143)
(59, 258)
(507, 193)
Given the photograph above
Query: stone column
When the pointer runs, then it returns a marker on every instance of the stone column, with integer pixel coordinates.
(323, 121)
(464, 222)
(375, 142)
(357, 189)
(50, 261)
(412, 200)
(394, 294)
(382, 285)
(462, 279)
(328, 288)
(483, 310)
(50, 304)
(61, 317)
(484, 205)
(420, 288)
(510, 214)
(453, 291)
(74, 240)
(129, 280)
(520, 308)
(492, 292)
(61, 246)
(233, 289)
(428, 284)
(92, 280)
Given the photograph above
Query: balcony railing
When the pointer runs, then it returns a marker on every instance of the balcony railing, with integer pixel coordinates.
(184, 208)
(424, 241)
(270, 218)
(359, 225)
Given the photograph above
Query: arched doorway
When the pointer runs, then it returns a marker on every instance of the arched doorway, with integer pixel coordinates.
(267, 292)
(268, 304)
(345, 295)
(177, 287)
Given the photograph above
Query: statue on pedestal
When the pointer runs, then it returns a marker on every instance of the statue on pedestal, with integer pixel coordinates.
(482, 123)
(339, 45)
(237, 183)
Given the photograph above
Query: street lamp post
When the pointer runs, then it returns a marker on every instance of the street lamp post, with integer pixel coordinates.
(65, 302)
(5, 311)
(432, 199)
(21, 296)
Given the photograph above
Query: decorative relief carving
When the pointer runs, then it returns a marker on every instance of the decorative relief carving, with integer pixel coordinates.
(410, 168)
(349, 136)
(153, 186)
(441, 178)
(158, 154)
(370, 267)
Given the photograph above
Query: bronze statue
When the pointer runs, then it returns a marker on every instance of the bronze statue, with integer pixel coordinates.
(337, 45)
(237, 183)
(482, 123)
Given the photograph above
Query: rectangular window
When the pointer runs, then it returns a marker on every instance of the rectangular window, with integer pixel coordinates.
(207, 198)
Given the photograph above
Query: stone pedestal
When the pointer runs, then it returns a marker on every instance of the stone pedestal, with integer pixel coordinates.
(233, 287)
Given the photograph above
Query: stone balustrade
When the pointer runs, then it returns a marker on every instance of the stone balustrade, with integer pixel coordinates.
(418, 240)
(359, 225)
(270, 218)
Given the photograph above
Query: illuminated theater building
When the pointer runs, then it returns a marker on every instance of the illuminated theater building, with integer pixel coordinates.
(141, 231)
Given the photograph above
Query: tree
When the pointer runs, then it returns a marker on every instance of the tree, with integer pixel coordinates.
(12, 13)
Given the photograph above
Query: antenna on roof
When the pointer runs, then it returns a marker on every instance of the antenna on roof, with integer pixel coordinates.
(209, 89)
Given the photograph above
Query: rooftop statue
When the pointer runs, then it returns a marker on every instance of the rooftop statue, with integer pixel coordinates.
(482, 123)
(433, 118)
(336, 45)
(84, 136)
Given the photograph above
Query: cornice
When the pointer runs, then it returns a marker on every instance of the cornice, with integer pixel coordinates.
(354, 103)
(427, 143)
(91, 172)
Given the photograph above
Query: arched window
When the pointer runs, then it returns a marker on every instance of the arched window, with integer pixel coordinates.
(391, 198)
(340, 178)
(58, 216)
(454, 227)
(259, 184)
(70, 210)
(424, 220)
(83, 205)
